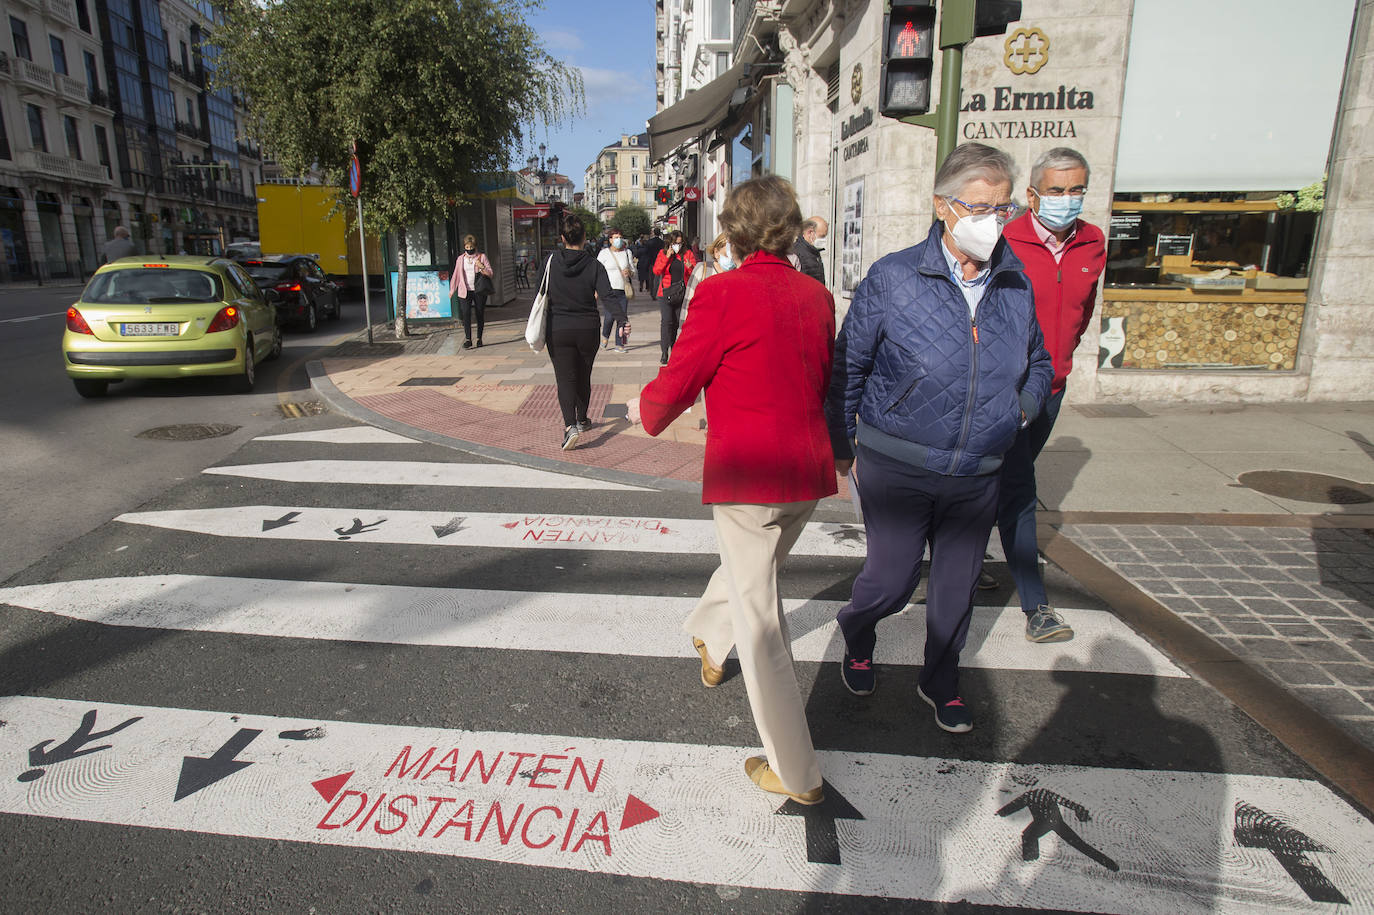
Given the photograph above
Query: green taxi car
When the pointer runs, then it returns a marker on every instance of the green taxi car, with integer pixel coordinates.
(169, 317)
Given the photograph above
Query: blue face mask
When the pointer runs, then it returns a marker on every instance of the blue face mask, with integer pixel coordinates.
(1059, 212)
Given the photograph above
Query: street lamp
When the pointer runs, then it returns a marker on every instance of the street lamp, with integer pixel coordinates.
(542, 168)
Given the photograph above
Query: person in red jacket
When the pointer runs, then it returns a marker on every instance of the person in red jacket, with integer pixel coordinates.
(1064, 257)
(761, 343)
(672, 267)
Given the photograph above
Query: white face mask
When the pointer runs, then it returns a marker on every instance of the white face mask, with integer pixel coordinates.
(726, 259)
(677, 249)
(976, 236)
(618, 243)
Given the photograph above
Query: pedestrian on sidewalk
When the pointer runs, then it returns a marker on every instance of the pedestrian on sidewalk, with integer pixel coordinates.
(760, 344)
(720, 261)
(470, 284)
(1064, 258)
(653, 246)
(619, 268)
(119, 246)
(576, 280)
(673, 265)
(808, 255)
(939, 363)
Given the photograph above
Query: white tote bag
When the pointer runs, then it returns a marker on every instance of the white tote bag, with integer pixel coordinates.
(539, 312)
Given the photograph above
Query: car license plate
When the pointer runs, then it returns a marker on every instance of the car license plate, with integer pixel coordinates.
(150, 330)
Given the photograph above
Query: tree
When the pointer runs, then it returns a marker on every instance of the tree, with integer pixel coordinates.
(431, 91)
(631, 219)
(589, 222)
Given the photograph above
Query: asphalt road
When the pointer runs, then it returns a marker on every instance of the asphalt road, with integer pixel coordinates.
(70, 464)
(207, 700)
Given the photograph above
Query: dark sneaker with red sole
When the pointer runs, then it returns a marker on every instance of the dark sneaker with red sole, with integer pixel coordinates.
(859, 676)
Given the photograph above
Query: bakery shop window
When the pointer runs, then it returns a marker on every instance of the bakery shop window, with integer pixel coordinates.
(1202, 281)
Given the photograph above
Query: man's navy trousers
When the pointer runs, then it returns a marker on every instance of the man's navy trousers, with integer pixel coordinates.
(905, 507)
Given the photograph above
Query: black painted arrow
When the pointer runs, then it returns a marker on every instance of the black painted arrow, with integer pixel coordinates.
(452, 527)
(283, 521)
(200, 772)
(1257, 829)
(822, 841)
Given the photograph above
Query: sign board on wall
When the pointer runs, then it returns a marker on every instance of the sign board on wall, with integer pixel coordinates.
(851, 251)
(426, 294)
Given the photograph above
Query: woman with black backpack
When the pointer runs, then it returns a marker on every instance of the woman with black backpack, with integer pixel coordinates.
(673, 266)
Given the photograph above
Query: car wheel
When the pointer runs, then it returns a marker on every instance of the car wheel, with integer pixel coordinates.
(243, 382)
(276, 344)
(87, 388)
(311, 318)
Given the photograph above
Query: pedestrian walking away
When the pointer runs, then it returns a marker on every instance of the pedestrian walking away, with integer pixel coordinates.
(121, 245)
(673, 266)
(940, 362)
(808, 255)
(469, 286)
(1064, 258)
(721, 260)
(576, 280)
(653, 246)
(620, 270)
(760, 345)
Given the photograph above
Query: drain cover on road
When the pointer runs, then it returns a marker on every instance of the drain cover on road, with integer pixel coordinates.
(188, 432)
(434, 382)
(1307, 487)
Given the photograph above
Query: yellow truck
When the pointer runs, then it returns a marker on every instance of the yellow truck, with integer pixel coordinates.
(296, 219)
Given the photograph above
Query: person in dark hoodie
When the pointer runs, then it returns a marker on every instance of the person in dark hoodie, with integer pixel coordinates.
(576, 278)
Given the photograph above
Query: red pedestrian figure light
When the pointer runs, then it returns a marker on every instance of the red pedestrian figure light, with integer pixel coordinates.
(908, 40)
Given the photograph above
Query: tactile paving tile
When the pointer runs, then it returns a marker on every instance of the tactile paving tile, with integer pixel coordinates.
(542, 403)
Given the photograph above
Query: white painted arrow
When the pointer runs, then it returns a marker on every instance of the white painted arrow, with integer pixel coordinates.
(417, 473)
(993, 834)
(641, 625)
(485, 529)
(344, 435)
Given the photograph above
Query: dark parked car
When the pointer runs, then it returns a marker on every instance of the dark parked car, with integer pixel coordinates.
(307, 294)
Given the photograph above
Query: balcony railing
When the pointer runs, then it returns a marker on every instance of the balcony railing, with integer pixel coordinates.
(71, 89)
(62, 10)
(101, 99)
(187, 129)
(27, 74)
(248, 151)
(35, 160)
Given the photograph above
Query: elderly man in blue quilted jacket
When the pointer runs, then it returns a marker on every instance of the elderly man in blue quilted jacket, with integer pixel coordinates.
(940, 362)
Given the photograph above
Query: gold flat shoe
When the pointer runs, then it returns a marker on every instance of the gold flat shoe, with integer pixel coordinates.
(710, 675)
(761, 774)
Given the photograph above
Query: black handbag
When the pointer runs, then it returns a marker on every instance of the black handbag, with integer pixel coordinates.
(483, 284)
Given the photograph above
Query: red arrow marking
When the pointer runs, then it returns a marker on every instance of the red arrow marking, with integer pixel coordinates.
(511, 525)
(328, 787)
(636, 812)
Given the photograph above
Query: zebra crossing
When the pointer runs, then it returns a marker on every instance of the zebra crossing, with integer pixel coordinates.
(301, 647)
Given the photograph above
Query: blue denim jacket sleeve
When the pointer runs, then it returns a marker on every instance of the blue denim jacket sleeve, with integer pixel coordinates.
(854, 348)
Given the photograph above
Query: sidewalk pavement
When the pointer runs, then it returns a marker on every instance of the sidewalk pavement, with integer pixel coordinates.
(1240, 532)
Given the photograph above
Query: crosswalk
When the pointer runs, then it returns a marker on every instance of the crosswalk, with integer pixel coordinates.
(416, 651)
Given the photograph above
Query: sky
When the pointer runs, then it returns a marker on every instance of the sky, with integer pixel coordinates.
(612, 43)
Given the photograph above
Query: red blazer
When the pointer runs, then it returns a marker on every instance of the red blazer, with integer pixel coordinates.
(661, 266)
(1065, 292)
(760, 342)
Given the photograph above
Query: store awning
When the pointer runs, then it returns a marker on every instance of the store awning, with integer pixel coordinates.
(695, 114)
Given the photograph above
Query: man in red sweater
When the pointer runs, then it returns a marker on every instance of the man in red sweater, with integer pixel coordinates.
(1064, 257)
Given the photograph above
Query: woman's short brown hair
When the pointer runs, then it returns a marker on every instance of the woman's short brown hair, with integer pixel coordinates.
(469, 240)
(761, 215)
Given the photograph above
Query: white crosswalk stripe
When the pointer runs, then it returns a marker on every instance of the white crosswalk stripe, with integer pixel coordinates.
(640, 625)
(1137, 836)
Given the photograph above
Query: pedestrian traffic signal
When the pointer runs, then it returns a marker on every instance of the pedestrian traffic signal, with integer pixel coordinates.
(908, 46)
(991, 17)
(663, 195)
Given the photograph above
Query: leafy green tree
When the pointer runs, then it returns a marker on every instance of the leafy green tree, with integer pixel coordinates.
(432, 92)
(631, 219)
(589, 222)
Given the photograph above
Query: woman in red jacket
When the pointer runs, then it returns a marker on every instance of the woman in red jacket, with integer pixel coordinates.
(760, 343)
(672, 266)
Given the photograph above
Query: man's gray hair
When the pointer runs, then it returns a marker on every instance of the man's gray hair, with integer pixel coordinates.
(810, 225)
(121, 232)
(969, 162)
(1058, 159)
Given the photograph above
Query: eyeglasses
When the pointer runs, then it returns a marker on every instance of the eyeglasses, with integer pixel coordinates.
(1078, 191)
(1003, 211)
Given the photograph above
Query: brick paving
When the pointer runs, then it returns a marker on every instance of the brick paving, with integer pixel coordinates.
(1297, 602)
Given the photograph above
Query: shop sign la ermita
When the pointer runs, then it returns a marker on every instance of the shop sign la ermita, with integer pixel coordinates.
(1004, 98)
